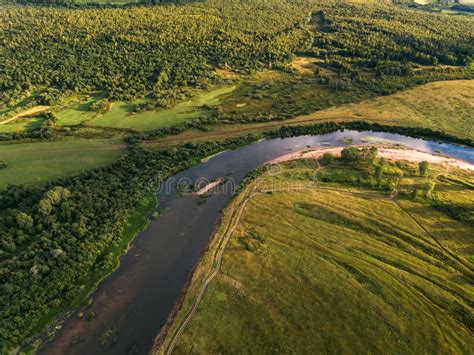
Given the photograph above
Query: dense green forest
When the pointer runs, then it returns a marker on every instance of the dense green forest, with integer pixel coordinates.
(370, 37)
(163, 52)
(154, 51)
(52, 236)
(139, 51)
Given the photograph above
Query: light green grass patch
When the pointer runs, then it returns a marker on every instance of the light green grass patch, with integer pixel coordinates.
(76, 114)
(22, 125)
(34, 163)
(121, 115)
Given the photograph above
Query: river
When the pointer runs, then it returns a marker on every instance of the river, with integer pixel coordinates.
(134, 302)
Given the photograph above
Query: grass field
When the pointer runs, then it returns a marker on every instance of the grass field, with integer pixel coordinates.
(34, 163)
(21, 125)
(77, 113)
(444, 105)
(337, 268)
(121, 114)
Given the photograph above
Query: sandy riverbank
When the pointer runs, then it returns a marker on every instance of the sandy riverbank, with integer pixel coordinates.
(407, 154)
(208, 187)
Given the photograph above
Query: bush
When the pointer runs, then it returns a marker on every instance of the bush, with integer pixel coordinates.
(326, 159)
(359, 157)
(101, 107)
(424, 168)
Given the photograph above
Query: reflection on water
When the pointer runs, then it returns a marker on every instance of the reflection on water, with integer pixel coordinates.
(133, 303)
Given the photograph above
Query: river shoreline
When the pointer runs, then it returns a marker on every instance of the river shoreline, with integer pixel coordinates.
(384, 151)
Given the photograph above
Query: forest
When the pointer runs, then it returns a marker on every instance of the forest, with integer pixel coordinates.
(53, 235)
(135, 52)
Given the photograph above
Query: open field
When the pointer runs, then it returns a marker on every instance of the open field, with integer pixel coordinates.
(21, 125)
(120, 116)
(336, 266)
(34, 163)
(23, 121)
(444, 105)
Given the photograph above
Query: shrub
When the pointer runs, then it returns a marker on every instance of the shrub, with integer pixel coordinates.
(326, 159)
(424, 168)
(359, 157)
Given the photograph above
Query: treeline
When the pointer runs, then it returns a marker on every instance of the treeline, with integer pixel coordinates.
(51, 237)
(328, 127)
(141, 51)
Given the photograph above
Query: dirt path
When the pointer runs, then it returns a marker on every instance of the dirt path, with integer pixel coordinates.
(231, 227)
(235, 220)
(232, 131)
(26, 113)
(438, 243)
(216, 265)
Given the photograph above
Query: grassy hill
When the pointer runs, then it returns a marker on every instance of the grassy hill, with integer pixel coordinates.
(337, 266)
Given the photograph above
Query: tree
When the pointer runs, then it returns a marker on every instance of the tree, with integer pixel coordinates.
(380, 168)
(429, 188)
(326, 159)
(424, 167)
(359, 157)
(24, 221)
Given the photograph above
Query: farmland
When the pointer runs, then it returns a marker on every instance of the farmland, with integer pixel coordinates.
(319, 261)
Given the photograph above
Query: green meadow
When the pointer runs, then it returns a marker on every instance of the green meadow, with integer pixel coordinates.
(21, 125)
(122, 114)
(35, 163)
